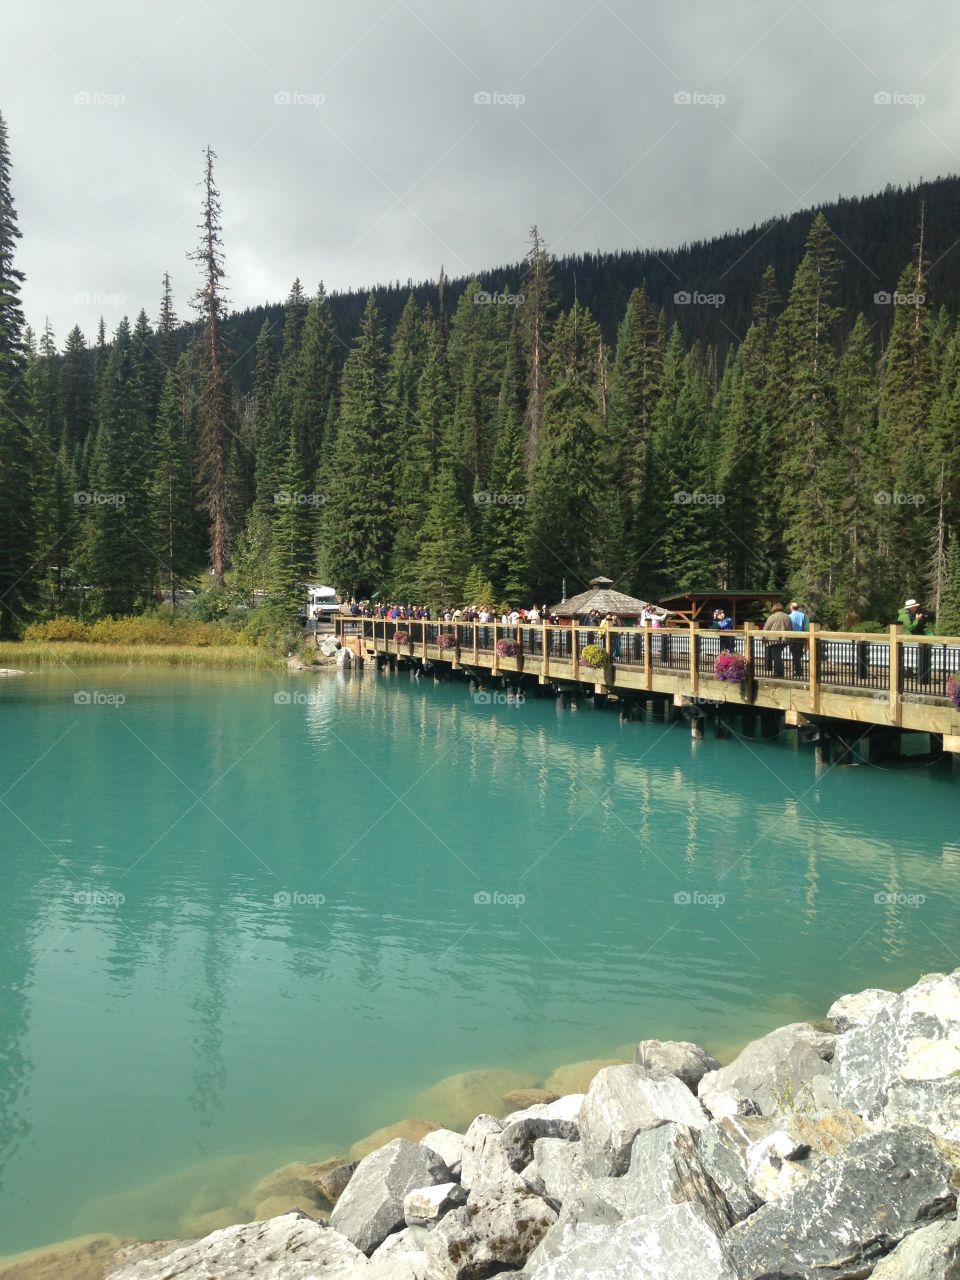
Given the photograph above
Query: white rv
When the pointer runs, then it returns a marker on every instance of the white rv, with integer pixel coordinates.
(322, 602)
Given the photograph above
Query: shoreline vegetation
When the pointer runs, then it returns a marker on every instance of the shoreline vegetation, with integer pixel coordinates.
(777, 1162)
(58, 653)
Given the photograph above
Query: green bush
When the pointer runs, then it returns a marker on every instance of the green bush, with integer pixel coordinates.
(273, 627)
(871, 628)
(156, 627)
(593, 656)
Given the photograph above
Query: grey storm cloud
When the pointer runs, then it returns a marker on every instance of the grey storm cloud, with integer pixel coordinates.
(364, 141)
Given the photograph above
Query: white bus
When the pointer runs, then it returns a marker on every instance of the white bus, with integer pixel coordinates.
(322, 602)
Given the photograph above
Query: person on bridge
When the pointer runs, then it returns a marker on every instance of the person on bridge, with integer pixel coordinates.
(914, 623)
(799, 622)
(779, 621)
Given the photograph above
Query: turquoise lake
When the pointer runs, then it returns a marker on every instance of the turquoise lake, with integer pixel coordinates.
(247, 919)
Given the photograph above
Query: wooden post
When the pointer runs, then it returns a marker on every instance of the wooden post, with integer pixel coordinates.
(495, 660)
(423, 638)
(694, 672)
(814, 678)
(647, 657)
(474, 625)
(896, 709)
(574, 632)
(544, 656)
(748, 654)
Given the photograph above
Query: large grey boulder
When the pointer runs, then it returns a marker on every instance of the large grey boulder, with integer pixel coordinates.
(545, 1120)
(932, 1253)
(853, 1210)
(400, 1257)
(859, 1008)
(903, 1067)
(496, 1230)
(290, 1247)
(722, 1146)
(624, 1101)
(371, 1207)
(774, 1069)
(681, 1058)
(484, 1162)
(720, 1104)
(666, 1169)
(676, 1243)
(556, 1171)
(566, 1235)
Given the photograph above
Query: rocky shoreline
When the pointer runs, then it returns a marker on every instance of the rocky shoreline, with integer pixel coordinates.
(814, 1153)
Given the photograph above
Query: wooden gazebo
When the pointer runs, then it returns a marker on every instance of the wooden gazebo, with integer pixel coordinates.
(601, 598)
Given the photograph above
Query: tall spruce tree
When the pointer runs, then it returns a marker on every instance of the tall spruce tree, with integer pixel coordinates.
(172, 492)
(216, 395)
(357, 530)
(505, 511)
(314, 381)
(76, 391)
(294, 534)
(17, 464)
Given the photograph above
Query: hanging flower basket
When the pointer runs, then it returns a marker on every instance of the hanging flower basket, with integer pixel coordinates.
(593, 656)
(507, 648)
(953, 691)
(402, 637)
(731, 668)
(446, 641)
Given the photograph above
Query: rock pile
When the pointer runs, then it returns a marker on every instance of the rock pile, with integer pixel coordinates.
(813, 1154)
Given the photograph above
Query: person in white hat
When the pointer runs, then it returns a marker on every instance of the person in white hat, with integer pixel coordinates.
(914, 623)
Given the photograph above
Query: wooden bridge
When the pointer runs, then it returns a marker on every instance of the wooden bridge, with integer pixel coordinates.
(890, 681)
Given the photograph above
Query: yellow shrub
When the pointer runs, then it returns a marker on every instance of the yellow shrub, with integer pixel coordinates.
(149, 629)
(58, 629)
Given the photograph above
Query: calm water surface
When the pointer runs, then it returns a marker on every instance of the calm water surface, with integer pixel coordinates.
(238, 930)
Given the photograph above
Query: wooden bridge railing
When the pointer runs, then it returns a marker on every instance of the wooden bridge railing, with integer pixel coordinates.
(887, 666)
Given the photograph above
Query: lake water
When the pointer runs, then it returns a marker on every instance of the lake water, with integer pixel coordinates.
(238, 930)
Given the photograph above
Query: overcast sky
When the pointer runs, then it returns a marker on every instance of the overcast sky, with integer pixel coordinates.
(362, 141)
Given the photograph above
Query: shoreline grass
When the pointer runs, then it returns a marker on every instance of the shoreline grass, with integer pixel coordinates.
(52, 653)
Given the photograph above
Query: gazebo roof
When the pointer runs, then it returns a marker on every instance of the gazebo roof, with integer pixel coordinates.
(601, 598)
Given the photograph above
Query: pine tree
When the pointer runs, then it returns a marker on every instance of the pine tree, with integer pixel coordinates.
(357, 531)
(17, 532)
(294, 535)
(172, 492)
(807, 424)
(166, 345)
(412, 470)
(858, 573)
(446, 550)
(948, 617)
(504, 525)
(120, 558)
(314, 381)
(537, 313)
(76, 391)
(216, 401)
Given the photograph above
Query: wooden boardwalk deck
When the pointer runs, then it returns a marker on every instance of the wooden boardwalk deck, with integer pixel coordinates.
(890, 680)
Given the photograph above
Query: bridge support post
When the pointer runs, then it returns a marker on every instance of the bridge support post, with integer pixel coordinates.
(721, 726)
(769, 724)
(696, 728)
(822, 749)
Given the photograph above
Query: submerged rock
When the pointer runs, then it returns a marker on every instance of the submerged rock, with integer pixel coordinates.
(774, 1069)
(459, 1098)
(371, 1207)
(291, 1247)
(622, 1102)
(81, 1259)
(576, 1077)
(412, 1129)
(681, 1058)
(853, 1209)
(520, 1099)
(331, 1176)
(494, 1231)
